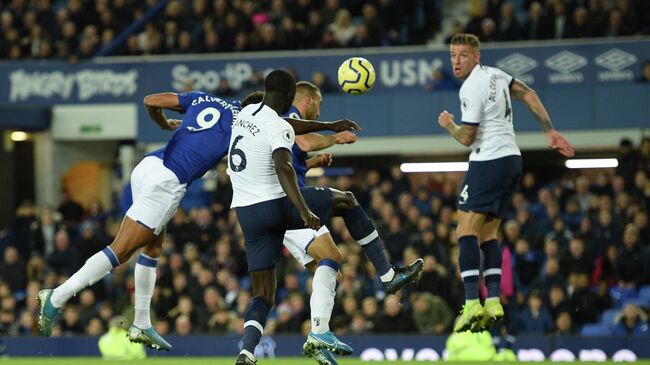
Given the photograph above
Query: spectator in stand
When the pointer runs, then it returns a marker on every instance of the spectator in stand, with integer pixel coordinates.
(89, 242)
(509, 28)
(535, 319)
(628, 161)
(71, 211)
(526, 265)
(394, 319)
(361, 37)
(478, 13)
(616, 27)
(584, 302)
(342, 28)
(183, 326)
(632, 322)
(456, 28)
(430, 313)
(488, 31)
(576, 259)
(629, 263)
(564, 324)
(12, 270)
(26, 325)
(373, 25)
(42, 233)
(605, 268)
(549, 278)
(557, 301)
(560, 20)
(65, 259)
(597, 18)
(71, 325)
(579, 27)
(630, 14)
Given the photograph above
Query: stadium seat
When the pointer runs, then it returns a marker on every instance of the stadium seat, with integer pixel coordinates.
(595, 330)
(622, 295)
(607, 319)
(640, 302)
(644, 292)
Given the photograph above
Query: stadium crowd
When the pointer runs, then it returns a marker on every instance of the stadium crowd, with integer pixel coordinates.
(77, 29)
(574, 247)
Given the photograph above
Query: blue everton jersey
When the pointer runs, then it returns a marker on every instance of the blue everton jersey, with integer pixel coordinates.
(203, 137)
(299, 156)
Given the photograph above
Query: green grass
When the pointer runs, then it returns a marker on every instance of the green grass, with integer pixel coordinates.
(220, 361)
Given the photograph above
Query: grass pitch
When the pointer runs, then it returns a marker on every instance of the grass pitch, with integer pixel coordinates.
(224, 361)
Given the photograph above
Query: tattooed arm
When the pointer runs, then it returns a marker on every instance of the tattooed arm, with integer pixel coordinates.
(556, 141)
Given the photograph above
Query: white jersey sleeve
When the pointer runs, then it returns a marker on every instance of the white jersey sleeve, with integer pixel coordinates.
(281, 135)
(471, 104)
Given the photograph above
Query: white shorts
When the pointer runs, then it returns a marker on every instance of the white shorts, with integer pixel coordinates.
(298, 240)
(156, 194)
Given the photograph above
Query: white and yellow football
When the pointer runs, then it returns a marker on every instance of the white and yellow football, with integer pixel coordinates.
(356, 75)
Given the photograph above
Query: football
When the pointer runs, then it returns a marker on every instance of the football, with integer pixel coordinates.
(356, 75)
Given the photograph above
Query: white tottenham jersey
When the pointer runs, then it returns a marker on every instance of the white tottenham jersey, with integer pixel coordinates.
(256, 133)
(485, 101)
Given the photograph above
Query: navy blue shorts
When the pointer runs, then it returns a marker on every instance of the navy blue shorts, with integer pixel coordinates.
(264, 224)
(489, 185)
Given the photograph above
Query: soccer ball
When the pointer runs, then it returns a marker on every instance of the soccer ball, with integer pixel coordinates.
(356, 75)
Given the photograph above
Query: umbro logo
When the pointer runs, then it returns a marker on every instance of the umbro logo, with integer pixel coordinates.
(615, 60)
(565, 62)
(516, 64)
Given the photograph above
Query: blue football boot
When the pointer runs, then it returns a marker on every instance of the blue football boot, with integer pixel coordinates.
(326, 341)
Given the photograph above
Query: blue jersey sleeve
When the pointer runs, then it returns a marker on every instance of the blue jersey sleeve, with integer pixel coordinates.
(185, 99)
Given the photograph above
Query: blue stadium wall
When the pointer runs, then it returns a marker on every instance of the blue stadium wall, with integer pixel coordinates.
(368, 347)
(585, 85)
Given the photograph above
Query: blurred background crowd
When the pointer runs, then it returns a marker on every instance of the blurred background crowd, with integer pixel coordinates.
(78, 29)
(576, 254)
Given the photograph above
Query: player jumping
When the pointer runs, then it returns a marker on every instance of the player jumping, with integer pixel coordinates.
(159, 183)
(316, 250)
(495, 167)
(260, 156)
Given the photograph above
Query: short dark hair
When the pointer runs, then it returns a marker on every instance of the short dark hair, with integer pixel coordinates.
(255, 97)
(279, 81)
(306, 87)
(466, 39)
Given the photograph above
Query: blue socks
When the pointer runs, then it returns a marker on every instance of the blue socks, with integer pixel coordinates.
(470, 262)
(254, 321)
(492, 267)
(363, 231)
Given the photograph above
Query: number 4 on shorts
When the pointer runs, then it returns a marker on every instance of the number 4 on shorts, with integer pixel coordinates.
(464, 195)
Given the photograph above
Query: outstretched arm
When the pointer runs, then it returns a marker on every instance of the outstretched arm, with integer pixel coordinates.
(320, 160)
(156, 103)
(289, 182)
(464, 133)
(301, 126)
(315, 142)
(556, 141)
